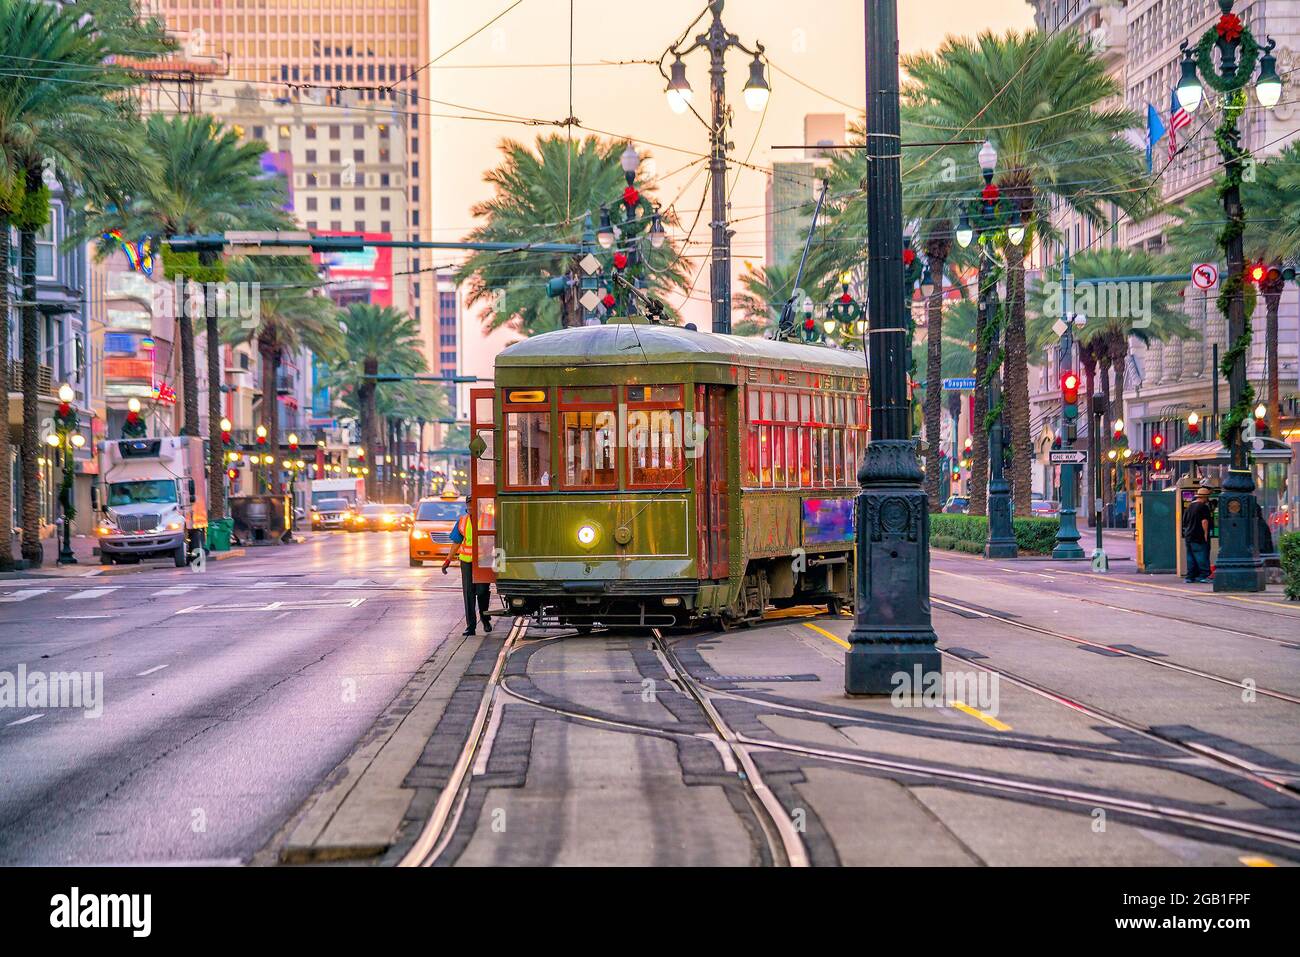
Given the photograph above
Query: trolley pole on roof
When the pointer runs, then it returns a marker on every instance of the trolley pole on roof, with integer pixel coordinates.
(892, 634)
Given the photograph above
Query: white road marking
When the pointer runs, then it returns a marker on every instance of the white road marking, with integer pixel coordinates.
(150, 671)
(30, 717)
(91, 593)
(175, 590)
(92, 573)
(79, 617)
(268, 584)
(23, 595)
(349, 583)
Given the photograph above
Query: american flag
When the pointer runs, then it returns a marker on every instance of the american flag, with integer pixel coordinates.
(1178, 119)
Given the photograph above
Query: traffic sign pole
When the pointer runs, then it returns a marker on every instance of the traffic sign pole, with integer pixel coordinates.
(1067, 533)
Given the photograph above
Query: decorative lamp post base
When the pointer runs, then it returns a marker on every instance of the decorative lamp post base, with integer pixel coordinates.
(892, 637)
(1238, 567)
(1001, 542)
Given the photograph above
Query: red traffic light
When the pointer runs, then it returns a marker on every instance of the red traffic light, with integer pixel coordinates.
(1070, 387)
(1255, 273)
(232, 474)
(1157, 440)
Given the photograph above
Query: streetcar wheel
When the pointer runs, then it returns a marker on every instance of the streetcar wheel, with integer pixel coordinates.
(834, 606)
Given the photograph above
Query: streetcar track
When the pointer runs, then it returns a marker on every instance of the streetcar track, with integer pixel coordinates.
(1085, 642)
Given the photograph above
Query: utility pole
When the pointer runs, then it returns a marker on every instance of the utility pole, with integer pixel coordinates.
(1067, 535)
(892, 639)
(717, 41)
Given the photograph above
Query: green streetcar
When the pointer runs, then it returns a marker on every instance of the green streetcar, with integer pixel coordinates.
(634, 474)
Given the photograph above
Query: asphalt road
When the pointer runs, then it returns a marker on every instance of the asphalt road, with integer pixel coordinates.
(227, 695)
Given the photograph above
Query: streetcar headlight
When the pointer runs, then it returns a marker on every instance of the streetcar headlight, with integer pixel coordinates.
(586, 535)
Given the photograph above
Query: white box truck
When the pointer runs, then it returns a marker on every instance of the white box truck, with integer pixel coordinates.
(152, 499)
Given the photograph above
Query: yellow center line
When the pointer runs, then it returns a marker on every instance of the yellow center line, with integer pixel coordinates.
(826, 634)
(1256, 862)
(988, 719)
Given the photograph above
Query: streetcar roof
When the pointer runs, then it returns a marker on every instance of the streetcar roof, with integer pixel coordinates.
(624, 343)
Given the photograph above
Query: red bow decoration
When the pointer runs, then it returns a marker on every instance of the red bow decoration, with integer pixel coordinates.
(133, 417)
(846, 298)
(64, 409)
(630, 196)
(1229, 27)
(608, 301)
(991, 193)
(620, 260)
(909, 256)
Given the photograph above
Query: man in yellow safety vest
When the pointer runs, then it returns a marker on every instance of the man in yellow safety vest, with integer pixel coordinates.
(472, 593)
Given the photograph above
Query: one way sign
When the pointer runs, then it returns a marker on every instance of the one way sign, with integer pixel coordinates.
(1067, 456)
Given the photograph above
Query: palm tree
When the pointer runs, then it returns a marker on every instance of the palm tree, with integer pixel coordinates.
(543, 196)
(209, 182)
(292, 313)
(1272, 235)
(376, 340)
(1105, 337)
(766, 290)
(50, 118)
(1041, 98)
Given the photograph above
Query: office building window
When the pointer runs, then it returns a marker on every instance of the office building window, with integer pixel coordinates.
(358, 203)
(359, 129)
(336, 226)
(336, 156)
(311, 156)
(336, 203)
(311, 204)
(359, 225)
(359, 155)
(384, 202)
(385, 226)
(46, 265)
(334, 131)
(311, 131)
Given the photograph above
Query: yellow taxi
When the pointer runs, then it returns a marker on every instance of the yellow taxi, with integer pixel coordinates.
(430, 538)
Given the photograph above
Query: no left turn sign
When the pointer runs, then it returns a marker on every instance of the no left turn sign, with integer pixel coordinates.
(1205, 275)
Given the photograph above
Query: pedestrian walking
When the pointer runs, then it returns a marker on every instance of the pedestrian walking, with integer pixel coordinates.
(475, 594)
(1198, 522)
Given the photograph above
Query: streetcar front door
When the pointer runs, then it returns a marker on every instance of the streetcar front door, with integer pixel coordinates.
(483, 483)
(712, 490)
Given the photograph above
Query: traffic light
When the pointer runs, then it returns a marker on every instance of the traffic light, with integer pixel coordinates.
(232, 474)
(1070, 403)
(1157, 442)
(1255, 273)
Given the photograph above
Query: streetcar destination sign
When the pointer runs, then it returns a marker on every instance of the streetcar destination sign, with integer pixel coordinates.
(1067, 456)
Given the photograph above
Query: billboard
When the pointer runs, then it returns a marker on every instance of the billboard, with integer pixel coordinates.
(362, 276)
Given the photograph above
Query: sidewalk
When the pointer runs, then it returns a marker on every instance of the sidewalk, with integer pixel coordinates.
(86, 550)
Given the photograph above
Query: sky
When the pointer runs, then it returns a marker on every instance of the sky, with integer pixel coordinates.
(519, 65)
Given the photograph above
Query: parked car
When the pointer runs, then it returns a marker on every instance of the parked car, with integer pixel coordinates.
(330, 513)
(1044, 507)
(956, 505)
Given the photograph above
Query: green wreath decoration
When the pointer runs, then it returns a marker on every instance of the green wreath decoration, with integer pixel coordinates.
(843, 312)
(1249, 51)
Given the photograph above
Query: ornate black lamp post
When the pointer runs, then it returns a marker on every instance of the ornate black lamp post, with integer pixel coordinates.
(66, 438)
(988, 221)
(621, 230)
(717, 41)
(1239, 567)
(892, 639)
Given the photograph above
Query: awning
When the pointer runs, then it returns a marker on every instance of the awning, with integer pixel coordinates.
(1212, 450)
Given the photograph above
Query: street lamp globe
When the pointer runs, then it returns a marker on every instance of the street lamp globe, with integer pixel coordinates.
(828, 326)
(1189, 85)
(1260, 411)
(78, 440)
(657, 234)
(225, 425)
(756, 88)
(630, 160)
(65, 393)
(52, 440)
(679, 88)
(927, 282)
(988, 157)
(1016, 231)
(261, 431)
(605, 234)
(133, 404)
(965, 234)
(1268, 88)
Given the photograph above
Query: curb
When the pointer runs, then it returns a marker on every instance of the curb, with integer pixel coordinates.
(356, 813)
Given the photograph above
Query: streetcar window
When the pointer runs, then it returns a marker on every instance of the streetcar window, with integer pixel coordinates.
(528, 450)
(778, 452)
(765, 455)
(484, 464)
(656, 456)
(805, 407)
(753, 404)
(589, 449)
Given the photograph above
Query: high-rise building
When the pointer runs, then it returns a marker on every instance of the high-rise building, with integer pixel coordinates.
(362, 65)
(1139, 41)
(793, 184)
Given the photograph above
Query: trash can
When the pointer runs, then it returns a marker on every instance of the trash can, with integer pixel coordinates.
(219, 530)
